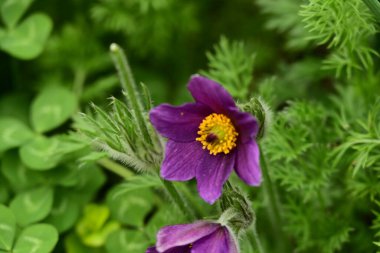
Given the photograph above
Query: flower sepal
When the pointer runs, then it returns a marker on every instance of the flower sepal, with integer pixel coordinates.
(237, 211)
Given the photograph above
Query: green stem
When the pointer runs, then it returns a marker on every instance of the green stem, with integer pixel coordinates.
(116, 168)
(179, 201)
(254, 238)
(196, 206)
(271, 193)
(129, 86)
(374, 6)
(274, 206)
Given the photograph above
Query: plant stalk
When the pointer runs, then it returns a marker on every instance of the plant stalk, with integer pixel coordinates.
(274, 206)
(254, 238)
(116, 168)
(129, 86)
(270, 191)
(179, 201)
(196, 206)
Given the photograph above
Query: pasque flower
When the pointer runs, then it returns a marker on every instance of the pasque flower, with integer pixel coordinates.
(198, 237)
(207, 139)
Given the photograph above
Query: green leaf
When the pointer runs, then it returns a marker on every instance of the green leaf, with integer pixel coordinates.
(32, 206)
(40, 153)
(52, 107)
(98, 238)
(64, 213)
(164, 216)
(94, 227)
(146, 97)
(27, 40)
(15, 105)
(12, 10)
(90, 178)
(7, 228)
(68, 146)
(73, 244)
(93, 219)
(130, 207)
(13, 133)
(126, 241)
(39, 238)
(18, 176)
(66, 175)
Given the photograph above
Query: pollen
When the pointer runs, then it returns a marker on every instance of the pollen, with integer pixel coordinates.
(217, 134)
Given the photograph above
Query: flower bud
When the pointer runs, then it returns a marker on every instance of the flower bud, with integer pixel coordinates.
(237, 206)
(258, 108)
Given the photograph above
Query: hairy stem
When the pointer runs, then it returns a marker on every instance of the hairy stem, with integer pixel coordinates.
(374, 6)
(254, 238)
(196, 206)
(179, 201)
(270, 192)
(274, 206)
(130, 88)
(116, 168)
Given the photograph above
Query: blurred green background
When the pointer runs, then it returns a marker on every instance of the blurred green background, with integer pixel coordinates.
(315, 63)
(165, 40)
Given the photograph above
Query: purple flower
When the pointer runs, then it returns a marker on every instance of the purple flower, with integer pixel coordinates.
(198, 237)
(207, 139)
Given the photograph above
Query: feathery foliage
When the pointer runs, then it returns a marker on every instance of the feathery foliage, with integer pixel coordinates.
(346, 27)
(285, 19)
(232, 66)
(116, 133)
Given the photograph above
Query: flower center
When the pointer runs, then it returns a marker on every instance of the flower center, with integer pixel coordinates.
(217, 134)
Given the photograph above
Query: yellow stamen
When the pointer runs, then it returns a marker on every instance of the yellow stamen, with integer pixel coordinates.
(217, 134)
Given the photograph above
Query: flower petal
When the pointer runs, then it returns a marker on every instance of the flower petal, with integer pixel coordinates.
(245, 123)
(212, 173)
(218, 242)
(247, 164)
(180, 235)
(179, 123)
(181, 160)
(233, 248)
(210, 93)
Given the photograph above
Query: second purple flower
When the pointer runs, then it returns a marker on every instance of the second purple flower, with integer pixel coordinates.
(198, 237)
(207, 139)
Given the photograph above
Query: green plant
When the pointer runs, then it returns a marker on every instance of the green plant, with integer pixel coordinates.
(23, 39)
